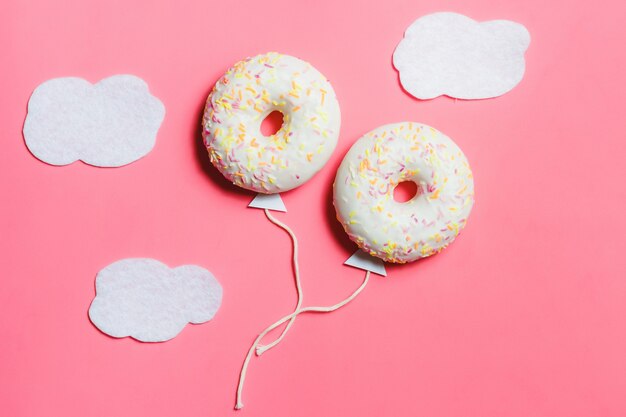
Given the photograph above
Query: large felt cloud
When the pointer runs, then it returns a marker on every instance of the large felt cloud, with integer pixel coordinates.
(109, 124)
(147, 300)
(451, 54)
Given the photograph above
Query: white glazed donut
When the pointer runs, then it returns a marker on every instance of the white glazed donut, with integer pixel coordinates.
(242, 99)
(376, 164)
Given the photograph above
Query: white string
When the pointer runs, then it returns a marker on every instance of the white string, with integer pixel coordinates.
(244, 368)
(296, 269)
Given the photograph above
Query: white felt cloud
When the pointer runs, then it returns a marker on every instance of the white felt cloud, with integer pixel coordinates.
(108, 124)
(451, 54)
(147, 300)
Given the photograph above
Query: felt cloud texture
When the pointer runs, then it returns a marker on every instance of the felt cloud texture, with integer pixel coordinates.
(451, 54)
(108, 124)
(151, 302)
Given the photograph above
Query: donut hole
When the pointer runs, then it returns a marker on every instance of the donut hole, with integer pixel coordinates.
(272, 123)
(405, 191)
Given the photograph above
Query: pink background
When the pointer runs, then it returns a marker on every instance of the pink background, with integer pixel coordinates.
(525, 315)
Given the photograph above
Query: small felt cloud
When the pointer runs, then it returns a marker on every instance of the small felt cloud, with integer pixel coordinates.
(151, 302)
(108, 124)
(451, 54)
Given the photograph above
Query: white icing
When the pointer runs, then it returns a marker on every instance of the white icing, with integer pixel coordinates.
(376, 164)
(240, 101)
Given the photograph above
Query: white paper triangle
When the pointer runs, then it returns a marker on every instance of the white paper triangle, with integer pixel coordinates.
(268, 201)
(367, 262)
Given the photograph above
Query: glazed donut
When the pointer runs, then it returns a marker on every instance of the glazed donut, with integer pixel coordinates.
(376, 164)
(244, 97)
